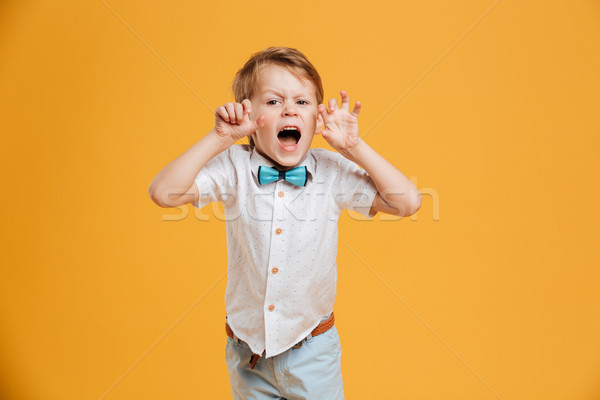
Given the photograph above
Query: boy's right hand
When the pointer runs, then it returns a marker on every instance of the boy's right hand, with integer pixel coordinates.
(232, 120)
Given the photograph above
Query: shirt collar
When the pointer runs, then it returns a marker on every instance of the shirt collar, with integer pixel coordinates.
(257, 159)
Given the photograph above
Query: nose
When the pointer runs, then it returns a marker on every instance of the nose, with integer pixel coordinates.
(289, 110)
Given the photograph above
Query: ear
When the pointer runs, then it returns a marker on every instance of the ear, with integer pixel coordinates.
(319, 126)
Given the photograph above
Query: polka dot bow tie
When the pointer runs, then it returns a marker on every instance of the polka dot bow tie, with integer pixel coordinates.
(298, 176)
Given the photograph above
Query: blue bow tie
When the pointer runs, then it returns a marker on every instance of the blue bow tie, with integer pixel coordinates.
(297, 176)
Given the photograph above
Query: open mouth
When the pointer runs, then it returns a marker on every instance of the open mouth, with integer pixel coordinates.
(289, 136)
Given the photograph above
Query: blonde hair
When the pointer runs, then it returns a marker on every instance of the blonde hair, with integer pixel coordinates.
(246, 78)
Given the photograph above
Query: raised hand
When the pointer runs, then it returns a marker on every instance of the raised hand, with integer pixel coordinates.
(341, 126)
(232, 120)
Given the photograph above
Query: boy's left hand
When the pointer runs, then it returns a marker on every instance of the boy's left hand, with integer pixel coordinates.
(341, 126)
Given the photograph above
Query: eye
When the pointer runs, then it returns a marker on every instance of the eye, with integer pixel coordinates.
(303, 102)
(272, 102)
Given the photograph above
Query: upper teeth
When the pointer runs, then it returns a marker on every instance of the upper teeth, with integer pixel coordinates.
(289, 128)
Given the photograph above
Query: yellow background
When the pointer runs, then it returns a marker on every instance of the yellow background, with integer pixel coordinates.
(490, 292)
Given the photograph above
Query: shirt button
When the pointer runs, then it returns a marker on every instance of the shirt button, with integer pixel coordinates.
(271, 307)
(278, 231)
(275, 270)
(280, 194)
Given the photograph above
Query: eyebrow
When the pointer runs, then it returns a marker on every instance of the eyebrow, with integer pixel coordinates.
(302, 94)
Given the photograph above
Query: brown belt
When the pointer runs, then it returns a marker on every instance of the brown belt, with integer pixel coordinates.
(321, 328)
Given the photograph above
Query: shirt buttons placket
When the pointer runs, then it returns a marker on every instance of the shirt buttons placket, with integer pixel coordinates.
(273, 290)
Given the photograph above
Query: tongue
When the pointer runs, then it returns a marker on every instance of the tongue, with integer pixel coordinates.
(287, 140)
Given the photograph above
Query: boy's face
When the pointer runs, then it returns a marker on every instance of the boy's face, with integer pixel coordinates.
(286, 102)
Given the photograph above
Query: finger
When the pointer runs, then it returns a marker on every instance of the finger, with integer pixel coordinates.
(222, 112)
(326, 135)
(254, 125)
(345, 100)
(332, 105)
(260, 121)
(239, 113)
(323, 112)
(247, 105)
(230, 113)
(356, 110)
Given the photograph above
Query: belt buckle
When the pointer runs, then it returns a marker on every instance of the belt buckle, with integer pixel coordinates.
(299, 344)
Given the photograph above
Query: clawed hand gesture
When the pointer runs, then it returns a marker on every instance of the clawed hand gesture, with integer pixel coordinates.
(232, 120)
(341, 125)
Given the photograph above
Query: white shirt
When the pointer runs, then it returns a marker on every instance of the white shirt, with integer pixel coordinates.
(282, 241)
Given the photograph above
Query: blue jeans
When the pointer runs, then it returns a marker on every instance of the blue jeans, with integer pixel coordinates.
(311, 371)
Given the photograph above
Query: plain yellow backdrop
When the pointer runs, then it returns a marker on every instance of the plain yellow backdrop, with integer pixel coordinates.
(491, 291)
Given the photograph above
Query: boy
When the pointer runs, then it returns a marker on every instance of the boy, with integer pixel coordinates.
(282, 201)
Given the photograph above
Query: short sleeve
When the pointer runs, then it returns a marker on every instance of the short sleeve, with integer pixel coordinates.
(216, 180)
(355, 189)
